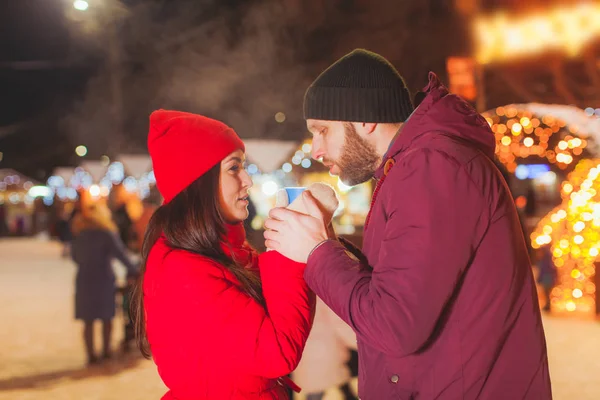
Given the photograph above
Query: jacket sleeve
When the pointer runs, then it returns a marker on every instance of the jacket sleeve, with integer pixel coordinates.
(119, 252)
(254, 340)
(433, 212)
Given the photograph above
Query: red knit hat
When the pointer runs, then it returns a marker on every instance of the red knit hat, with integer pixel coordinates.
(184, 146)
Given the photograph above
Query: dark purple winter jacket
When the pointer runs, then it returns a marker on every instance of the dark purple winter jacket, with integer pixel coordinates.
(446, 307)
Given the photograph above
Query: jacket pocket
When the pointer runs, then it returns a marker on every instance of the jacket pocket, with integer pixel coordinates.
(400, 377)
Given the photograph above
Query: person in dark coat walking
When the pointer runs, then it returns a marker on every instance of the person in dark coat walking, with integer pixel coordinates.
(547, 274)
(63, 231)
(445, 306)
(96, 243)
(124, 224)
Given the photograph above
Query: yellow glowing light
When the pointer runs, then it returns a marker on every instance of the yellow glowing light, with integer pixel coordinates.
(280, 117)
(559, 262)
(80, 5)
(557, 253)
(562, 214)
(575, 274)
(81, 151)
(568, 29)
(94, 190)
(575, 238)
(578, 227)
(511, 124)
(567, 188)
(547, 229)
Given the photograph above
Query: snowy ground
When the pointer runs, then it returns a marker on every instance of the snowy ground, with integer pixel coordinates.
(41, 354)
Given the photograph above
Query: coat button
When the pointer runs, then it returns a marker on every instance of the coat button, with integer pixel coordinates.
(394, 379)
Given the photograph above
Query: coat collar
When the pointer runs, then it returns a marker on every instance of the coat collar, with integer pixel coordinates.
(235, 245)
(434, 91)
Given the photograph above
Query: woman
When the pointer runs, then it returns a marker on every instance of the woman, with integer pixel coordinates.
(220, 321)
(94, 246)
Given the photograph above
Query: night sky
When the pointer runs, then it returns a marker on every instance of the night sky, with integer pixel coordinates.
(47, 107)
(37, 83)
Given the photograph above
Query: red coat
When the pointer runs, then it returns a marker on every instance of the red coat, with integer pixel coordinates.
(209, 339)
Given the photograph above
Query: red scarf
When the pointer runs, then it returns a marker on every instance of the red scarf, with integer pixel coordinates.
(235, 246)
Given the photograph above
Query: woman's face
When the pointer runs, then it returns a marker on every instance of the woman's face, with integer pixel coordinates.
(234, 183)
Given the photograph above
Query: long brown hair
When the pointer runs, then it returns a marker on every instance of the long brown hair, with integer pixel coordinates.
(191, 221)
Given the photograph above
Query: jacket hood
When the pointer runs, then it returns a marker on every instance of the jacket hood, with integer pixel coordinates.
(441, 111)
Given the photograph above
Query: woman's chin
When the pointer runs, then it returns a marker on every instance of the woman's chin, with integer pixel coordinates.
(238, 217)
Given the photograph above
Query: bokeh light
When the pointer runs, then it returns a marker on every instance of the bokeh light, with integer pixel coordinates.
(573, 232)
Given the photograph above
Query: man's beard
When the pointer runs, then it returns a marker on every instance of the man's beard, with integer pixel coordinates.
(359, 159)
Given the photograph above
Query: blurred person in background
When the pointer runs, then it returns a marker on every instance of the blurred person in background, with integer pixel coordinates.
(4, 231)
(63, 231)
(219, 321)
(326, 355)
(128, 325)
(96, 243)
(150, 205)
(445, 305)
(546, 273)
(124, 223)
(20, 226)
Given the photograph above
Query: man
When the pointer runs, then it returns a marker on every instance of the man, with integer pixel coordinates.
(443, 300)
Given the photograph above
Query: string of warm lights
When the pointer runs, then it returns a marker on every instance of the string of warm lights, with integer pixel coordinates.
(519, 134)
(573, 232)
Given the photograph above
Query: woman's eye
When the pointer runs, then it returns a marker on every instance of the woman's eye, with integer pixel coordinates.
(235, 168)
(323, 131)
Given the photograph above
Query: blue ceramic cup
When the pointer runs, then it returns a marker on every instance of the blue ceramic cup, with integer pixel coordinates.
(293, 193)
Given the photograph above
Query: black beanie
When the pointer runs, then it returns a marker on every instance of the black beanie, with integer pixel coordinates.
(360, 87)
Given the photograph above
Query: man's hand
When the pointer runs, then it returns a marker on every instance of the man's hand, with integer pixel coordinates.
(293, 234)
